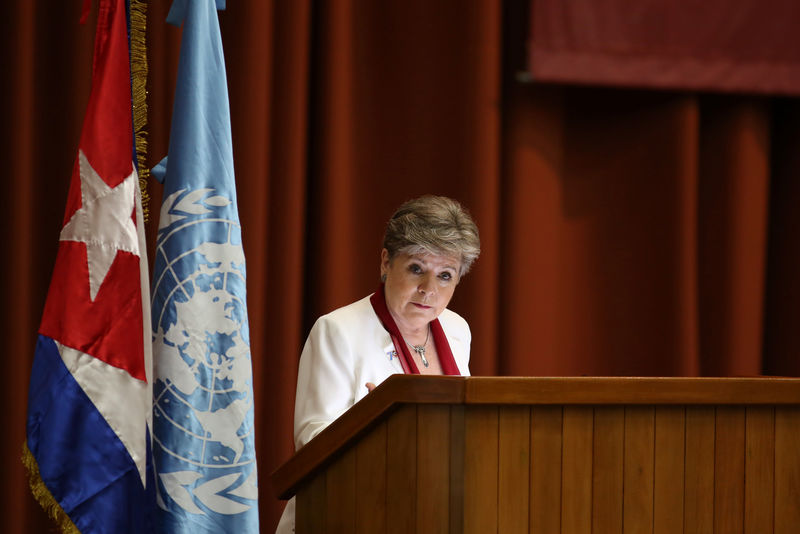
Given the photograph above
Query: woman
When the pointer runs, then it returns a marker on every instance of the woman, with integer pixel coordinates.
(404, 327)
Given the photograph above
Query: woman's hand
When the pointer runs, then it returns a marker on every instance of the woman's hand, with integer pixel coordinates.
(370, 386)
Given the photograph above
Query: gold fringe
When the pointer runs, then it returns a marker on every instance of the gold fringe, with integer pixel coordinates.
(43, 495)
(139, 82)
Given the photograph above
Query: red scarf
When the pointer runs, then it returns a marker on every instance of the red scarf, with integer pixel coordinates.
(446, 360)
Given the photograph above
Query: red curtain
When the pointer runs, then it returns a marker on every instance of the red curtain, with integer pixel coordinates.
(747, 45)
(624, 232)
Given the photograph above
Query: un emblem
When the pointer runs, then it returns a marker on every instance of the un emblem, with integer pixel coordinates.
(202, 392)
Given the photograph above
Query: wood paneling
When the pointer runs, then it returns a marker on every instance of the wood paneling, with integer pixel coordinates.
(514, 469)
(340, 494)
(609, 446)
(546, 460)
(638, 470)
(312, 496)
(630, 390)
(787, 470)
(401, 471)
(729, 470)
(433, 469)
(576, 470)
(371, 482)
(379, 404)
(669, 468)
(699, 473)
(759, 469)
(540, 391)
(609, 468)
(480, 470)
(457, 489)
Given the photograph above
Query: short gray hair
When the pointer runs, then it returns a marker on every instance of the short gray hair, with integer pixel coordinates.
(433, 225)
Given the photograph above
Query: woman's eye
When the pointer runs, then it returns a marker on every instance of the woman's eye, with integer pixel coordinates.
(446, 276)
(414, 268)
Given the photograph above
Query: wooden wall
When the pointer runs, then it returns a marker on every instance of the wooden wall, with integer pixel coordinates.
(567, 469)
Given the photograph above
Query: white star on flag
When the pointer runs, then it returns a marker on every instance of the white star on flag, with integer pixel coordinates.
(103, 222)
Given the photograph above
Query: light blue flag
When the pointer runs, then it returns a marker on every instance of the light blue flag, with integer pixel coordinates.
(203, 390)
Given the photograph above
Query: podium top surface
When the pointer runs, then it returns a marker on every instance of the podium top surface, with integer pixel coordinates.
(415, 389)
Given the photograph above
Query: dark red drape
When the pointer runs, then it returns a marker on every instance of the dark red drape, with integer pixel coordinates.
(747, 45)
(624, 232)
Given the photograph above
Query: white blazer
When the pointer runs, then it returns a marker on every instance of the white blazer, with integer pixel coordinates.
(346, 349)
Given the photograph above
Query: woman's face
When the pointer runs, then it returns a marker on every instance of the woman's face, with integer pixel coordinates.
(418, 287)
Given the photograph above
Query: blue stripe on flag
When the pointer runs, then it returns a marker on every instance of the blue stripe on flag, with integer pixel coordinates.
(81, 460)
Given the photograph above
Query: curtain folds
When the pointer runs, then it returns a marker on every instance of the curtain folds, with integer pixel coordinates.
(624, 232)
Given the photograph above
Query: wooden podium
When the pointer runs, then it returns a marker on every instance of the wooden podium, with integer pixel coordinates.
(555, 455)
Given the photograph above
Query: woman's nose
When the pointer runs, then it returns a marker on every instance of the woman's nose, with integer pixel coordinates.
(427, 285)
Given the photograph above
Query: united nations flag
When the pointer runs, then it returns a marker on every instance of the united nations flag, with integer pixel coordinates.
(204, 446)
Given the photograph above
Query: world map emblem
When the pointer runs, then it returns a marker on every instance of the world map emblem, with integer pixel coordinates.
(202, 390)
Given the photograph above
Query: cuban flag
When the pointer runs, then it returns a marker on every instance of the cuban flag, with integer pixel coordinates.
(204, 449)
(89, 404)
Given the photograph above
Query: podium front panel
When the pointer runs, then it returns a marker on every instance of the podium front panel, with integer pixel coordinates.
(572, 468)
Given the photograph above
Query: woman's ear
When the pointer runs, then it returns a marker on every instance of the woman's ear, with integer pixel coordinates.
(384, 263)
